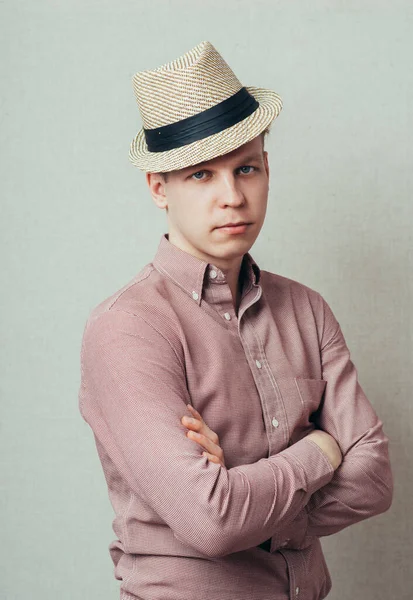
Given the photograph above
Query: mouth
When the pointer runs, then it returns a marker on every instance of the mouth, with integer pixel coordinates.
(234, 229)
(233, 225)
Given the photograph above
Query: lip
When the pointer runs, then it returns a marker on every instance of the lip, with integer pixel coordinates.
(234, 229)
(233, 224)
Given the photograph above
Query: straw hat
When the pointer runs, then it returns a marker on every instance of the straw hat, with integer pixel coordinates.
(194, 109)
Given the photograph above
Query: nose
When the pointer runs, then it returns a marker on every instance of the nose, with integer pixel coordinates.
(230, 192)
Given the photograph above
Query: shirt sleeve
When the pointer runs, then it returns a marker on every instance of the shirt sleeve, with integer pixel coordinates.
(133, 396)
(362, 486)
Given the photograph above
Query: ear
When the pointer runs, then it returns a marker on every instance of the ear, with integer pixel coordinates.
(157, 188)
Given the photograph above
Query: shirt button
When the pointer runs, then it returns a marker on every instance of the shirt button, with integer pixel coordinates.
(257, 362)
(212, 274)
(297, 589)
(227, 316)
(275, 422)
(195, 296)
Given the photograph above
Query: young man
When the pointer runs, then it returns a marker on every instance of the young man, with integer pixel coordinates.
(284, 447)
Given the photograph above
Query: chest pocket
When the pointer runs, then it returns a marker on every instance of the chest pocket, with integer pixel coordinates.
(302, 398)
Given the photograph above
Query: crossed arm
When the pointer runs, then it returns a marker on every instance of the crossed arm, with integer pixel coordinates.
(133, 394)
(201, 433)
(362, 485)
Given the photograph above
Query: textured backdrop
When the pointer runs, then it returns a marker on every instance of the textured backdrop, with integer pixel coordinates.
(77, 222)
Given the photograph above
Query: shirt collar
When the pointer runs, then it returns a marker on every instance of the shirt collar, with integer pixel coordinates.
(188, 271)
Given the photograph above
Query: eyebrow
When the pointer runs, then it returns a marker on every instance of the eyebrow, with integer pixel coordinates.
(243, 159)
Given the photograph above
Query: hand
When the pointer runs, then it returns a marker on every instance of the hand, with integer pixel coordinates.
(201, 433)
(328, 445)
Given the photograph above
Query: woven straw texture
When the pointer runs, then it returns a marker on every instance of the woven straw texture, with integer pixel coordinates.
(184, 87)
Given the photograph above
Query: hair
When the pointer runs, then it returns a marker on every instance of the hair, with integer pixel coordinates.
(262, 135)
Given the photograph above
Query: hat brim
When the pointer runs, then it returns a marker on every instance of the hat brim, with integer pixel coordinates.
(270, 105)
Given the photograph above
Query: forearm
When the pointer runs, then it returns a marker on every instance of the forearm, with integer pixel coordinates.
(361, 487)
(253, 502)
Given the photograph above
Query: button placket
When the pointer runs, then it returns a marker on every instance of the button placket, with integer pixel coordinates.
(221, 296)
(275, 423)
(266, 385)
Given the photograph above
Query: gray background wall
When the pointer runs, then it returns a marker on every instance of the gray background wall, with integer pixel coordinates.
(78, 222)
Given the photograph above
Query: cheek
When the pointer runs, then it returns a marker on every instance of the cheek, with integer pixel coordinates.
(256, 185)
(191, 216)
(258, 194)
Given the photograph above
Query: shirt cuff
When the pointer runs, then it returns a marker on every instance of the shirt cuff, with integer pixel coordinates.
(316, 466)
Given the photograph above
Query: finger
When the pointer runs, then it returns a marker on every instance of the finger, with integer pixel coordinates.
(206, 443)
(213, 458)
(202, 427)
(196, 425)
(194, 412)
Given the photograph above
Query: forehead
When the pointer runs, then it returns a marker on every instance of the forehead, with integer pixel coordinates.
(250, 151)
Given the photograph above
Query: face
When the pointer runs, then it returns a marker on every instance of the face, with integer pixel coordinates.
(202, 198)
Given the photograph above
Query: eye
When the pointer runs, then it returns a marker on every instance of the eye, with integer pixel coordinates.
(247, 167)
(194, 175)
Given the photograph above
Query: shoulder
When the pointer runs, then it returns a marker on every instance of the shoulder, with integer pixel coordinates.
(139, 308)
(285, 287)
(293, 299)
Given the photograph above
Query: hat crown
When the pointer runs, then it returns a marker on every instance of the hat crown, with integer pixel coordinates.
(190, 84)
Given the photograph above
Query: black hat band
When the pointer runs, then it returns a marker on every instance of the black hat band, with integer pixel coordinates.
(217, 118)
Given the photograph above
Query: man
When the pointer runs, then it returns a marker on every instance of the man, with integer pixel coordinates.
(284, 447)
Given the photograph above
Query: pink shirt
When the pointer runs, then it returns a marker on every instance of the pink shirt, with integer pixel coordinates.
(188, 528)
